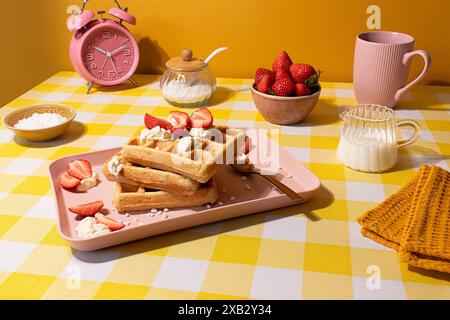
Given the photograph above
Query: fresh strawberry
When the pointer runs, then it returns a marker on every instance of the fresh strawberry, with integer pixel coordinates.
(178, 120)
(283, 87)
(201, 118)
(151, 122)
(260, 72)
(265, 84)
(68, 182)
(283, 74)
(88, 209)
(80, 169)
(112, 224)
(245, 149)
(281, 62)
(301, 72)
(302, 89)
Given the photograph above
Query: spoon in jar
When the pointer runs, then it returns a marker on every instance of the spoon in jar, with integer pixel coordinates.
(249, 168)
(214, 53)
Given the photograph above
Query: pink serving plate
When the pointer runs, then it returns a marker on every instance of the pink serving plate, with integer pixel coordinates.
(260, 197)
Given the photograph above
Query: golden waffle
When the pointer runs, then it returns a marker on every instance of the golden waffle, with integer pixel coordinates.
(133, 198)
(415, 220)
(426, 238)
(199, 164)
(132, 174)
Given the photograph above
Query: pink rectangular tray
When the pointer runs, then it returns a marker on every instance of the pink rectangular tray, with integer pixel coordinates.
(260, 197)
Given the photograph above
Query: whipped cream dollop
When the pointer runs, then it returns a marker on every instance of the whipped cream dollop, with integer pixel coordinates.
(114, 166)
(88, 228)
(185, 144)
(198, 133)
(88, 183)
(157, 133)
(182, 92)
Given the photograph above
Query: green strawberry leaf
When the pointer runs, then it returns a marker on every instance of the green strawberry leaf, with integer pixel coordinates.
(271, 92)
(313, 81)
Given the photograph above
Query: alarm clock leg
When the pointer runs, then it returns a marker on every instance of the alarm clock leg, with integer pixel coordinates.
(89, 87)
(133, 81)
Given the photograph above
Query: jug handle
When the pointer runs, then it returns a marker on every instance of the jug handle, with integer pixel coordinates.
(414, 137)
(427, 59)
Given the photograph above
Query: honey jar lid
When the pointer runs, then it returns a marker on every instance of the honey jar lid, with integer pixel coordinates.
(186, 62)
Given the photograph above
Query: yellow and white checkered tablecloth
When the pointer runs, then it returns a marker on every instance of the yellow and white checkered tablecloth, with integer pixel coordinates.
(309, 251)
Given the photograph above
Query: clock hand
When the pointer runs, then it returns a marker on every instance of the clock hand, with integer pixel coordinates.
(101, 50)
(114, 65)
(117, 50)
(104, 62)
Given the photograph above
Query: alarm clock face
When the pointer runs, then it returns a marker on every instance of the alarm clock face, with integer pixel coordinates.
(109, 54)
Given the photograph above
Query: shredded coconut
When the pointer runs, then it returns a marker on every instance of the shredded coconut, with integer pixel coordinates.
(40, 121)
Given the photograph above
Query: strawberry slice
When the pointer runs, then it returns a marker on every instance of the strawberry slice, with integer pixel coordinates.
(80, 169)
(201, 118)
(112, 224)
(245, 149)
(88, 209)
(178, 120)
(68, 182)
(152, 121)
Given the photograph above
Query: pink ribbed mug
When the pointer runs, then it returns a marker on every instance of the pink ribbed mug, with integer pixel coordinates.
(381, 66)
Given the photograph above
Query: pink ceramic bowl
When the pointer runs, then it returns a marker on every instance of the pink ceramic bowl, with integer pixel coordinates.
(284, 110)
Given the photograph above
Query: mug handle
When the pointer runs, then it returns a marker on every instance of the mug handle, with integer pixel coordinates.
(427, 58)
(414, 137)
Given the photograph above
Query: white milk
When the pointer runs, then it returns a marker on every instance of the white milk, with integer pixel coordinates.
(368, 156)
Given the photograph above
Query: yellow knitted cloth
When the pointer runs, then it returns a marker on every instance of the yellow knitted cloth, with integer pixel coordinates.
(415, 220)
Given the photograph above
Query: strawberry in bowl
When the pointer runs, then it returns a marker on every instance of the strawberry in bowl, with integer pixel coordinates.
(288, 93)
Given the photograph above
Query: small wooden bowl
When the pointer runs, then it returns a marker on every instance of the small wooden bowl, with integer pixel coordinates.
(284, 110)
(43, 134)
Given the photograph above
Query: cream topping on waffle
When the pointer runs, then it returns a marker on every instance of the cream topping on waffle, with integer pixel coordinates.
(185, 144)
(157, 133)
(88, 228)
(88, 183)
(200, 133)
(114, 166)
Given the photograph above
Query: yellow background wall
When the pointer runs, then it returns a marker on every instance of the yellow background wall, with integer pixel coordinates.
(34, 39)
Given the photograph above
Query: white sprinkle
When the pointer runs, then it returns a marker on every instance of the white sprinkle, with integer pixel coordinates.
(247, 187)
(208, 206)
(127, 215)
(152, 215)
(280, 168)
(290, 176)
(244, 178)
(159, 212)
(153, 210)
(165, 216)
(128, 223)
(220, 203)
(166, 210)
(273, 188)
(136, 219)
(232, 198)
(224, 190)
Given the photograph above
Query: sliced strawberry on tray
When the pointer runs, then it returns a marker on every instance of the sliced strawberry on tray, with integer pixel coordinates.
(87, 209)
(152, 121)
(80, 169)
(201, 118)
(245, 149)
(68, 182)
(112, 224)
(178, 120)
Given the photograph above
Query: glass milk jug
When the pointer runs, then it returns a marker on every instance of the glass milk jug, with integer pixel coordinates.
(369, 138)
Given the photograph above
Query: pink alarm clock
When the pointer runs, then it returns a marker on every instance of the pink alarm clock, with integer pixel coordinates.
(103, 51)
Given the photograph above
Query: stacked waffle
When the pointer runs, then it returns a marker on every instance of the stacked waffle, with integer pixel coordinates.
(160, 169)
(415, 221)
